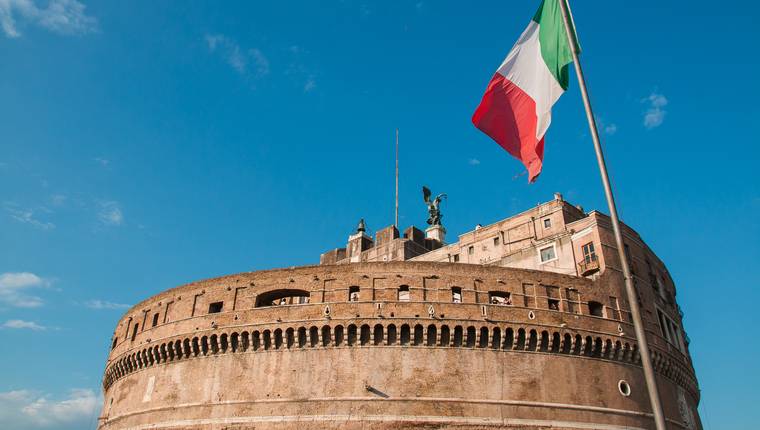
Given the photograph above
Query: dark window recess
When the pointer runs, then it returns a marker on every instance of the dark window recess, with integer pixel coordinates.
(155, 320)
(456, 258)
(353, 294)
(115, 341)
(596, 309)
(547, 222)
(216, 307)
(553, 304)
(134, 331)
(471, 250)
(496, 241)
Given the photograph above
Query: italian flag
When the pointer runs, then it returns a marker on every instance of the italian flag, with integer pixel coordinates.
(516, 109)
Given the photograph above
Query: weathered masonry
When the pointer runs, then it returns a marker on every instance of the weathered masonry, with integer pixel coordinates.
(398, 344)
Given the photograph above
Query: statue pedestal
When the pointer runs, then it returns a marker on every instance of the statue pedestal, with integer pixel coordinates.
(436, 232)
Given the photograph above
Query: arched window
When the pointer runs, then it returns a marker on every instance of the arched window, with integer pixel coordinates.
(445, 336)
(339, 335)
(483, 337)
(405, 334)
(313, 336)
(364, 339)
(326, 335)
(431, 335)
(391, 334)
(378, 334)
(301, 337)
(596, 309)
(458, 335)
(418, 334)
(471, 337)
(352, 335)
(403, 293)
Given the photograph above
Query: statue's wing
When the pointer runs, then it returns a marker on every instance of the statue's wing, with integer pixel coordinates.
(441, 196)
(426, 194)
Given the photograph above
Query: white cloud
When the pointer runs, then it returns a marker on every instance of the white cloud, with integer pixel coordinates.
(60, 16)
(28, 215)
(110, 213)
(261, 62)
(26, 409)
(473, 162)
(21, 324)
(238, 58)
(102, 161)
(655, 113)
(309, 85)
(13, 288)
(610, 129)
(104, 304)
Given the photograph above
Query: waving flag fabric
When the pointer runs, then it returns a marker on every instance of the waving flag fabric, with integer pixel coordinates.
(516, 109)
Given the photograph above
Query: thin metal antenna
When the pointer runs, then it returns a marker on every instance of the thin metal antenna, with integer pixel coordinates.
(638, 325)
(396, 219)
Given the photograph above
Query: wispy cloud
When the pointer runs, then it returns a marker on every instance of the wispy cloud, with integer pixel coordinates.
(607, 128)
(102, 161)
(104, 304)
(60, 16)
(21, 324)
(27, 409)
(473, 162)
(110, 213)
(28, 215)
(14, 287)
(250, 62)
(58, 199)
(655, 113)
(310, 84)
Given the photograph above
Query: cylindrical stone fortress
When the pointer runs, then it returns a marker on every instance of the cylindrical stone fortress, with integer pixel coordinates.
(386, 346)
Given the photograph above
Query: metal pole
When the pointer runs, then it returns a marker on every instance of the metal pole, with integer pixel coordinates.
(638, 325)
(396, 219)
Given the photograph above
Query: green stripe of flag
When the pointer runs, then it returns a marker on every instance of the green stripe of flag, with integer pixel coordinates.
(555, 49)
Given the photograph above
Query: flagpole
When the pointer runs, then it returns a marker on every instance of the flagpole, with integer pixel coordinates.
(396, 219)
(646, 361)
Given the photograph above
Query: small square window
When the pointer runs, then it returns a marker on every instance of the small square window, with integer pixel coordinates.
(496, 241)
(456, 295)
(215, 308)
(353, 294)
(456, 258)
(554, 304)
(471, 250)
(548, 254)
(547, 222)
(403, 293)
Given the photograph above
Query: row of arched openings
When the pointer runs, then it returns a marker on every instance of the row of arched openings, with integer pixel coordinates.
(432, 335)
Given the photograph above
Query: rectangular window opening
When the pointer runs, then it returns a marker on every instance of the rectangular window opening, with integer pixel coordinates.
(215, 308)
(547, 222)
(155, 319)
(353, 294)
(548, 254)
(456, 295)
(553, 304)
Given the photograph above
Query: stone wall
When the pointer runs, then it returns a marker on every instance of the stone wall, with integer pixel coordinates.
(386, 360)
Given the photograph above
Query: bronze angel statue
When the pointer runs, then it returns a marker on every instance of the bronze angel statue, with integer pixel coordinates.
(433, 206)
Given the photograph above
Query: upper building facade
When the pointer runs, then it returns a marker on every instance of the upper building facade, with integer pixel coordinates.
(555, 236)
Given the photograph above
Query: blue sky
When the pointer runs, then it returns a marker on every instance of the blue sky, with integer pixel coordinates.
(148, 144)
